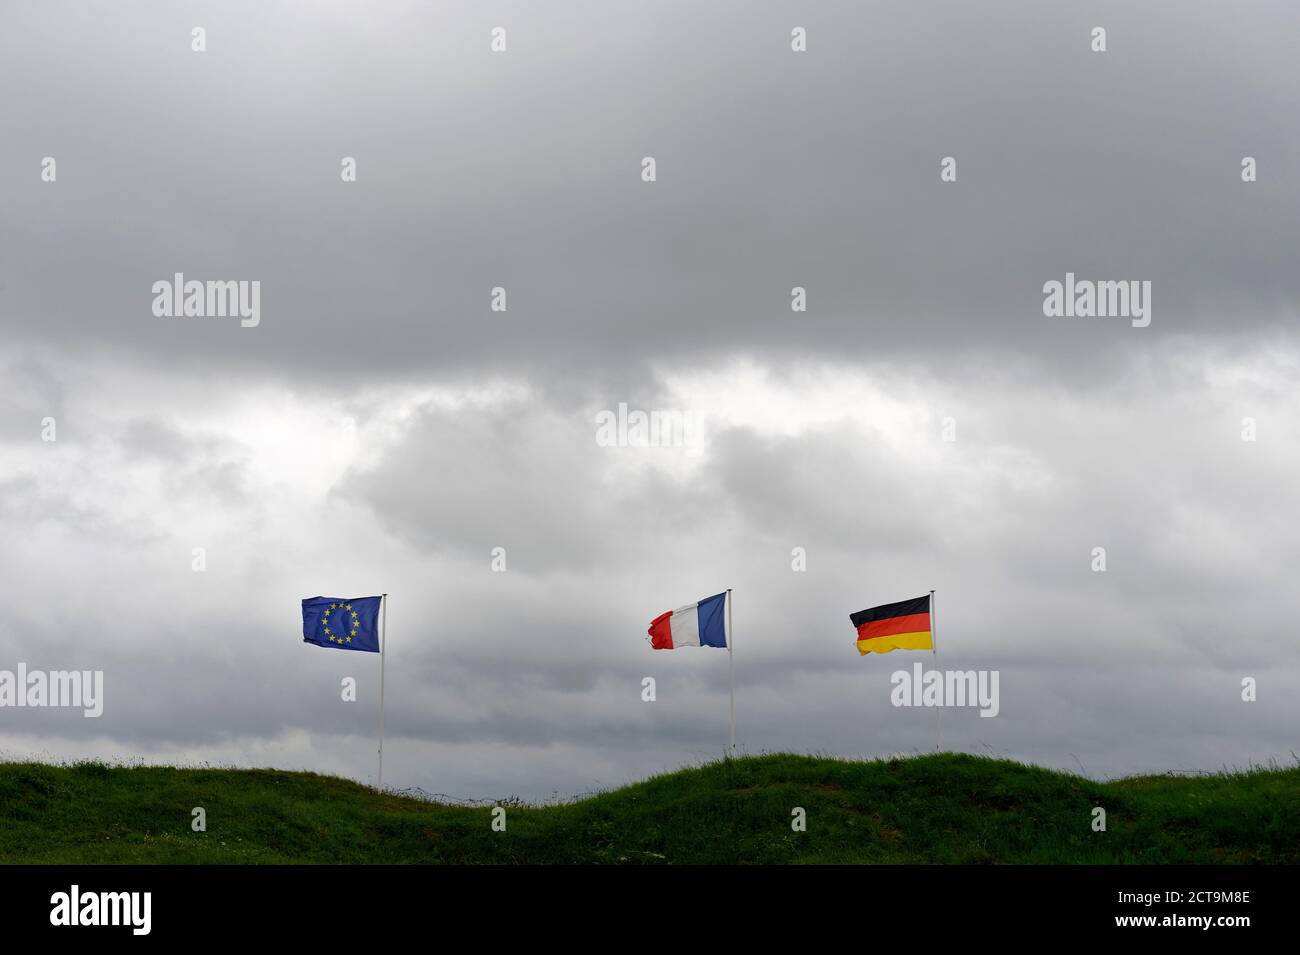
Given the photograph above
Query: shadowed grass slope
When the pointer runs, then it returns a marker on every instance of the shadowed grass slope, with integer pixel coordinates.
(929, 809)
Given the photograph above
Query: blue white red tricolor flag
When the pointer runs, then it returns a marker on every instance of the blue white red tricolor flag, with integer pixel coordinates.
(701, 624)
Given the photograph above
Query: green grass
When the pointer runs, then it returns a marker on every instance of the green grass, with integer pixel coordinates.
(928, 809)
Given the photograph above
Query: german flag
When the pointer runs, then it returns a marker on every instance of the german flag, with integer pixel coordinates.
(899, 626)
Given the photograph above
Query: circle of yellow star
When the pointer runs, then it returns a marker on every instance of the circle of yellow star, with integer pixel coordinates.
(352, 628)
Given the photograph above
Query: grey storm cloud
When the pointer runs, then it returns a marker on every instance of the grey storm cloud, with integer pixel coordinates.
(521, 170)
(468, 429)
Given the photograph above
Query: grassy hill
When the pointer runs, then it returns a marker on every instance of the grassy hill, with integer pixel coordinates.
(934, 809)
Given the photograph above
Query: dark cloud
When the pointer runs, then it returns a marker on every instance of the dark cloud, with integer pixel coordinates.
(522, 170)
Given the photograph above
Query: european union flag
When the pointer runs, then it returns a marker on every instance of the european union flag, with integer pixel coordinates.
(342, 622)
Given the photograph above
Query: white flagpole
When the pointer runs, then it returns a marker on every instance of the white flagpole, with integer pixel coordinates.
(383, 628)
(731, 666)
(934, 649)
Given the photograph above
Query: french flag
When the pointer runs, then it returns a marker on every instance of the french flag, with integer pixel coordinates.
(701, 624)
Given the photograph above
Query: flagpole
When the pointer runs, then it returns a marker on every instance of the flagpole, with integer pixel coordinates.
(731, 666)
(934, 649)
(383, 628)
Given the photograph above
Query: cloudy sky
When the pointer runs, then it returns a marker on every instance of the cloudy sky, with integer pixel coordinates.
(383, 429)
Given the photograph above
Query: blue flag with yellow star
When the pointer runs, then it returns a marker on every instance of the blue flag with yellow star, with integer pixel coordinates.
(346, 623)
